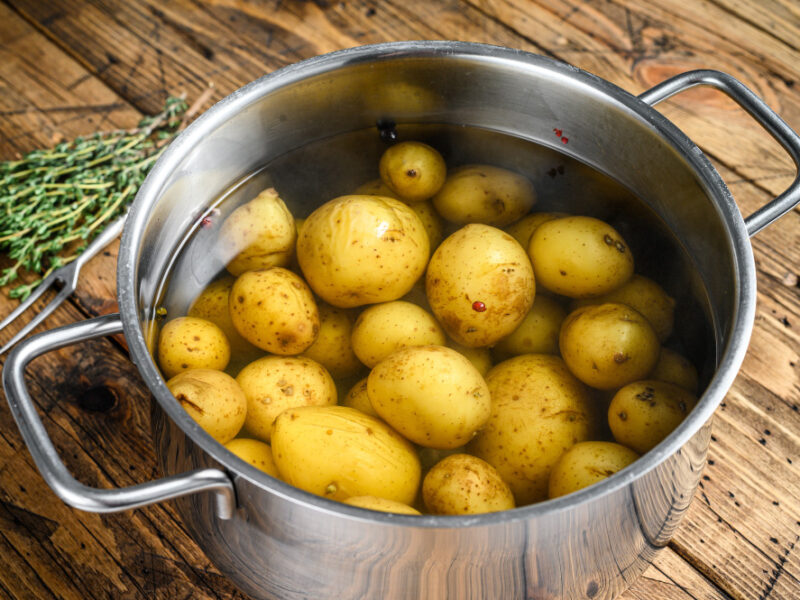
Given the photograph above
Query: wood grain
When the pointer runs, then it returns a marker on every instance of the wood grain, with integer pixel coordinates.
(72, 67)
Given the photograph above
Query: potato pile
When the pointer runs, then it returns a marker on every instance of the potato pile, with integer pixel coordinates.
(372, 362)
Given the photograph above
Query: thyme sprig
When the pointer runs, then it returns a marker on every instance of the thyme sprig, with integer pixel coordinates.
(52, 199)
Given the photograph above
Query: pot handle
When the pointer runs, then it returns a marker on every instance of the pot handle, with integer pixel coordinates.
(762, 113)
(51, 467)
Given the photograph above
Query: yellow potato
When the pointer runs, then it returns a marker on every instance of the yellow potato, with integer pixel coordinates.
(579, 257)
(643, 413)
(258, 235)
(523, 229)
(481, 358)
(538, 332)
(274, 310)
(191, 343)
(647, 297)
(213, 399)
(275, 383)
(587, 463)
(338, 452)
(412, 170)
(430, 456)
(539, 410)
(358, 398)
(462, 484)
(675, 368)
(608, 345)
(256, 453)
(357, 250)
(382, 505)
(332, 348)
(212, 305)
(375, 187)
(391, 326)
(430, 394)
(430, 221)
(484, 194)
(480, 285)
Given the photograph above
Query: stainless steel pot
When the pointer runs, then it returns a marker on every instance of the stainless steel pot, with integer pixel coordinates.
(275, 541)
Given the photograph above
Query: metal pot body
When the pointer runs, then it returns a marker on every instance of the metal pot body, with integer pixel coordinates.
(278, 542)
(284, 544)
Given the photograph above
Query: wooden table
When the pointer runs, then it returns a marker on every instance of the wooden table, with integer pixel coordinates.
(69, 67)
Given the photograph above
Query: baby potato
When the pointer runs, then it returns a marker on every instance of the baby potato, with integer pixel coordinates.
(430, 456)
(608, 345)
(484, 194)
(391, 326)
(338, 452)
(587, 463)
(412, 170)
(579, 257)
(643, 413)
(358, 398)
(675, 368)
(375, 187)
(382, 505)
(258, 235)
(430, 221)
(357, 250)
(462, 484)
(523, 229)
(274, 310)
(275, 383)
(332, 348)
(481, 358)
(191, 343)
(647, 297)
(480, 285)
(539, 410)
(538, 332)
(213, 399)
(430, 394)
(256, 453)
(212, 305)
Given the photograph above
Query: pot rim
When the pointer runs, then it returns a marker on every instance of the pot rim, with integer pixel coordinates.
(730, 357)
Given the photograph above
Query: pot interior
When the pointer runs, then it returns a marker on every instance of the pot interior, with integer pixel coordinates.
(313, 131)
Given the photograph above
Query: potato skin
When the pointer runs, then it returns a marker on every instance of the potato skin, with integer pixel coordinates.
(412, 170)
(274, 310)
(258, 235)
(585, 464)
(523, 229)
(430, 394)
(375, 187)
(275, 383)
(537, 333)
(539, 410)
(391, 326)
(338, 452)
(212, 305)
(255, 452)
(608, 345)
(333, 348)
(579, 257)
(358, 398)
(462, 484)
(484, 194)
(481, 358)
(191, 343)
(482, 264)
(213, 399)
(431, 221)
(647, 297)
(382, 505)
(643, 413)
(675, 368)
(357, 250)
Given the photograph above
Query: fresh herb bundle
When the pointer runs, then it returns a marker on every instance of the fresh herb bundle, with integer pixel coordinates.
(52, 199)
